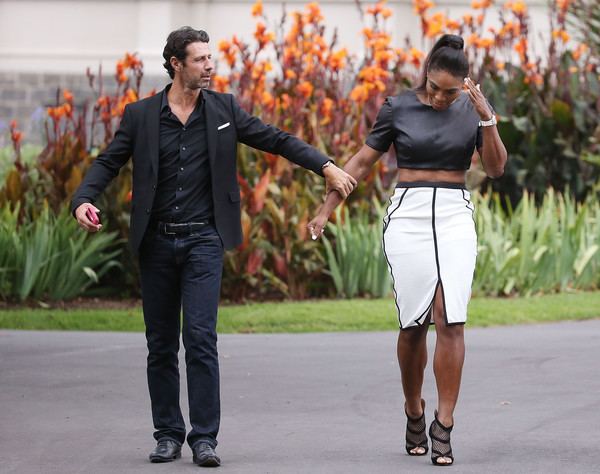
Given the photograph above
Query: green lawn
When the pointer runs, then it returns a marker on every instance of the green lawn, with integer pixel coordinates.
(316, 316)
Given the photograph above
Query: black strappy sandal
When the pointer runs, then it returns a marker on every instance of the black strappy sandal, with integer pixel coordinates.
(416, 436)
(440, 442)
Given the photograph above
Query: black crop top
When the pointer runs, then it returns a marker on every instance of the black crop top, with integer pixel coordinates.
(425, 138)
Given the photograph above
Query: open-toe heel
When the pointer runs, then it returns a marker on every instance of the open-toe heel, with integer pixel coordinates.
(440, 442)
(416, 436)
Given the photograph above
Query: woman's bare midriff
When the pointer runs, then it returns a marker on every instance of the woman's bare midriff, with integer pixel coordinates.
(410, 175)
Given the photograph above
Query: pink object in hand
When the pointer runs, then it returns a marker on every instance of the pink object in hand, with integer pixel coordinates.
(92, 216)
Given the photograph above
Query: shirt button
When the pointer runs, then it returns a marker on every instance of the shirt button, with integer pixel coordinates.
(154, 187)
(181, 168)
(147, 211)
(176, 208)
(180, 188)
(183, 129)
(183, 148)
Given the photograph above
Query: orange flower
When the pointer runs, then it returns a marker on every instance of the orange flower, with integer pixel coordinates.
(452, 24)
(326, 110)
(416, 56)
(221, 83)
(284, 102)
(15, 135)
(56, 113)
(68, 95)
(290, 74)
(563, 5)
(257, 8)
(129, 196)
(485, 43)
(127, 98)
(518, 7)
(267, 100)
(226, 49)
(579, 51)
(337, 60)
(313, 14)
(360, 93)
(534, 78)
(500, 65)
(130, 61)
(434, 25)
(481, 4)
(521, 48)
(378, 9)
(103, 101)
(262, 35)
(561, 34)
(305, 89)
(421, 6)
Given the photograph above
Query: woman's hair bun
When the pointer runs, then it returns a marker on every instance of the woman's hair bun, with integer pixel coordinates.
(452, 41)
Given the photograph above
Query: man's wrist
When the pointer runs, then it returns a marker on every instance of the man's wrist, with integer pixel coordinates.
(327, 164)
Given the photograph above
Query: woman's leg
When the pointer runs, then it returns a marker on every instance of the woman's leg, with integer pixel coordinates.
(448, 362)
(412, 357)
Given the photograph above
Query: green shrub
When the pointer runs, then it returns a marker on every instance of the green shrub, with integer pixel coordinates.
(355, 258)
(50, 257)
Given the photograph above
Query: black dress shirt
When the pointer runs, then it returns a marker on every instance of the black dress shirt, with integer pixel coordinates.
(184, 192)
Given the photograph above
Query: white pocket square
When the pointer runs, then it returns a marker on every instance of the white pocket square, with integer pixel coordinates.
(225, 125)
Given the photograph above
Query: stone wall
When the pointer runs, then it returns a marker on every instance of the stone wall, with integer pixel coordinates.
(25, 96)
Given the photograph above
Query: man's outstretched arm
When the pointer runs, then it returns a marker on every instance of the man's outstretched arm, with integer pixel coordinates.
(255, 133)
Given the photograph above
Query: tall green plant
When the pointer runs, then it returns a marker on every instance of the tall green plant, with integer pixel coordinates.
(537, 249)
(49, 257)
(355, 258)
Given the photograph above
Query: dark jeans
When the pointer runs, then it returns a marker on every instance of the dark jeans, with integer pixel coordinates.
(182, 271)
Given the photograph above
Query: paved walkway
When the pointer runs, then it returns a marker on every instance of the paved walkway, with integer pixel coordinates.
(319, 403)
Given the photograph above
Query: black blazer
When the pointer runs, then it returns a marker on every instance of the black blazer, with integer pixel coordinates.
(227, 124)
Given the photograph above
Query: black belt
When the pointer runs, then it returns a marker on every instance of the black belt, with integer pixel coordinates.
(173, 228)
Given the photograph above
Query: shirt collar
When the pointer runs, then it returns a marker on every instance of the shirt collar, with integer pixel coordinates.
(164, 101)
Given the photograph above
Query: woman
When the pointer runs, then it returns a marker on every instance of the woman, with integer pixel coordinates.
(429, 234)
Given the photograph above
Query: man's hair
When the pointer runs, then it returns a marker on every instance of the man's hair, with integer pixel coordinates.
(177, 42)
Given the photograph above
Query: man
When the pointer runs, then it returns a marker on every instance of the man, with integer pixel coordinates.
(185, 212)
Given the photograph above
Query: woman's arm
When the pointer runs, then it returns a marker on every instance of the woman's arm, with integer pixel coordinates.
(493, 153)
(358, 167)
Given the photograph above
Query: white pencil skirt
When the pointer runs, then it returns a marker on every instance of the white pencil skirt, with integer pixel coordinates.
(429, 241)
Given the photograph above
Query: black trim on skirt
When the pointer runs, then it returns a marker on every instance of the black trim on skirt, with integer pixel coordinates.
(430, 184)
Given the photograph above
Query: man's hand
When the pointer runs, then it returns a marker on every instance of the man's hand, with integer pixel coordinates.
(337, 179)
(87, 217)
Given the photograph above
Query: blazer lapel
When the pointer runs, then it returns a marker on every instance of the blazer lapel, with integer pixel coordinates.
(152, 128)
(211, 125)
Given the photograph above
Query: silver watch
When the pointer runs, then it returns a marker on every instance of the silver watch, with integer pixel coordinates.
(326, 164)
(488, 123)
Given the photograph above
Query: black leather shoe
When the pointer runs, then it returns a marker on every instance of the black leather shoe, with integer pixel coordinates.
(166, 450)
(205, 456)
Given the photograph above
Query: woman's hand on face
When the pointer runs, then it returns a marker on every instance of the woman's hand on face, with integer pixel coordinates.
(317, 226)
(478, 99)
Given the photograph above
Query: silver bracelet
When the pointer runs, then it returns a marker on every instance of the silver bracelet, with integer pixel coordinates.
(488, 123)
